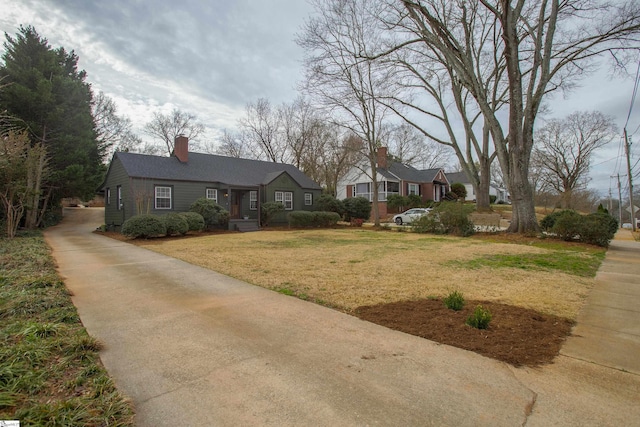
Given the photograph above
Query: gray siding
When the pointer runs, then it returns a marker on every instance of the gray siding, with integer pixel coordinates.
(116, 176)
(285, 183)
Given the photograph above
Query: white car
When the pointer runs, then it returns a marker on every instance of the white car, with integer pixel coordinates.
(408, 216)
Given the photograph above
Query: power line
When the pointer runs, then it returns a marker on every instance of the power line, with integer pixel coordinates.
(633, 96)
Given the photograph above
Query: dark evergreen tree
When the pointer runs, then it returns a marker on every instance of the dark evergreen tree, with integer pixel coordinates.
(49, 95)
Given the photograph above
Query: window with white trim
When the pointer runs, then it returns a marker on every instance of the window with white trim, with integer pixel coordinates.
(119, 193)
(107, 197)
(286, 198)
(163, 198)
(308, 199)
(253, 200)
(212, 194)
(414, 189)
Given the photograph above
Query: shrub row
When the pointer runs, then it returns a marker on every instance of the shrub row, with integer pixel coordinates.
(148, 225)
(313, 219)
(596, 228)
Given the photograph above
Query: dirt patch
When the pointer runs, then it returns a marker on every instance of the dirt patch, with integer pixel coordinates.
(516, 335)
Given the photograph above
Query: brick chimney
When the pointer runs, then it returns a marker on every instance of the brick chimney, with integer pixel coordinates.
(181, 148)
(382, 157)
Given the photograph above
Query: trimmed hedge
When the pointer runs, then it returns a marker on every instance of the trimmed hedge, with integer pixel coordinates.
(145, 225)
(195, 221)
(175, 224)
(313, 219)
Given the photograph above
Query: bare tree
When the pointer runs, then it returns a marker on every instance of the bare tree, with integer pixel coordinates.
(411, 147)
(434, 100)
(261, 131)
(301, 124)
(167, 127)
(564, 148)
(231, 144)
(336, 41)
(543, 45)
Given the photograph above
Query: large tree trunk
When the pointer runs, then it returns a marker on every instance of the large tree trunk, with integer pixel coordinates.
(523, 216)
(483, 199)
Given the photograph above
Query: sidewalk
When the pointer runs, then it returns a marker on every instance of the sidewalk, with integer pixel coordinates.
(608, 327)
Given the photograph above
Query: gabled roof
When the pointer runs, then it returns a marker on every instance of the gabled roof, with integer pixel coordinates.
(210, 168)
(460, 177)
(408, 173)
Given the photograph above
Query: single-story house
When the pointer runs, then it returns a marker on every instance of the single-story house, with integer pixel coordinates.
(501, 194)
(140, 183)
(393, 178)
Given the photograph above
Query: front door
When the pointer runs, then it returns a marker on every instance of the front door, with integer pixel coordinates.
(235, 204)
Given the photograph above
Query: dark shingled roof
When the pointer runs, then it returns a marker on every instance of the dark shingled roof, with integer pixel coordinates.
(409, 173)
(211, 168)
(460, 177)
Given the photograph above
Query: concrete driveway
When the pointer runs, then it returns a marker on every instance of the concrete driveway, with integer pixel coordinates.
(193, 347)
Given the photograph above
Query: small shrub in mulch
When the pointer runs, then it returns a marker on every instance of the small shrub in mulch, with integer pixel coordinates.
(518, 336)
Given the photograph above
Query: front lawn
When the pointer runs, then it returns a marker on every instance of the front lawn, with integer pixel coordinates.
(348, 268)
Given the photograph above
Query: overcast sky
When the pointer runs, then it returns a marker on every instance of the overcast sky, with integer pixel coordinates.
(212, 57)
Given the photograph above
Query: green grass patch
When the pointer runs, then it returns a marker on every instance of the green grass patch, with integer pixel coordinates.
(50, 372)
(577, 263)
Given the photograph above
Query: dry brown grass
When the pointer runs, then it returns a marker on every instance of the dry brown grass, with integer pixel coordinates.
(348, 268)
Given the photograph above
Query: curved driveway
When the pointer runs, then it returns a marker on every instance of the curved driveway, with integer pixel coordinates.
(193, 347)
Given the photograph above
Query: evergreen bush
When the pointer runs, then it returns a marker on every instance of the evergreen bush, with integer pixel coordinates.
(356, 208)
(313, 219)
(568, 225)
(549, 221)
(414, 200)
(454, 301)
(459, 190)
(326, 219)
(598, 229)
(300, 219)
(396, 201)
(268, 211)
(328, 203)
(446, 218)
(480, 318)
(145, 226)
(195, 221)
(175, 224)
(214, 215)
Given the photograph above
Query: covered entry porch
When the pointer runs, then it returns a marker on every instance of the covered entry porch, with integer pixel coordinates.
(244, 208)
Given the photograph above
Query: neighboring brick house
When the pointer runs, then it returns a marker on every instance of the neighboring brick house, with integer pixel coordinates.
(393, 178)
(140, 183)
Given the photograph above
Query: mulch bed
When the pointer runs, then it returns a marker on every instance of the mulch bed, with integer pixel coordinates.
(518, 336)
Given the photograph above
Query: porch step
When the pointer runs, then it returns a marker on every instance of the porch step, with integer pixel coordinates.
(248, 226)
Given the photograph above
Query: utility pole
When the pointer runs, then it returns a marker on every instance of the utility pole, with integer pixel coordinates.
(631, 207)
(619, 201)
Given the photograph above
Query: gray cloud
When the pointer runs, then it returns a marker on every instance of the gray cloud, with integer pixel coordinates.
(212, 57)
